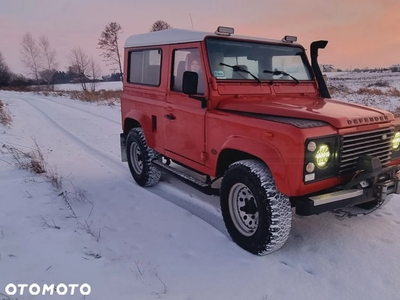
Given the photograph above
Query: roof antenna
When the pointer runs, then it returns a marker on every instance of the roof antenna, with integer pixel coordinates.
(191, 21)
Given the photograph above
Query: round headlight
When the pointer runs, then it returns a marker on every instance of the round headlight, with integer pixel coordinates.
(396, 141)
(312, 146)
(310, 167)
(322, 156)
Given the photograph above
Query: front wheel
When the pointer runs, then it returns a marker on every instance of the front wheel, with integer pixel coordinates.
(140, 158)
(257, 216)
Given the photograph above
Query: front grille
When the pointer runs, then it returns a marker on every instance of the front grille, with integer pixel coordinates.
(376, 143)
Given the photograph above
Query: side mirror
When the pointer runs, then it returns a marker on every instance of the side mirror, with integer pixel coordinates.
(189, 83)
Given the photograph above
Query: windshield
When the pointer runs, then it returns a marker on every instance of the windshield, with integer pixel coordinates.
(265, 61)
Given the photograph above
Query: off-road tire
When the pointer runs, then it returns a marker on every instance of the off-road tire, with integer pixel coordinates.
(254, 180)
(140, 158)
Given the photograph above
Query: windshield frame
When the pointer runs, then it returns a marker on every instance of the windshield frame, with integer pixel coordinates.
(303, 56)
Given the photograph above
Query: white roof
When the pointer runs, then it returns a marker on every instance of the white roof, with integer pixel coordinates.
(177, 36)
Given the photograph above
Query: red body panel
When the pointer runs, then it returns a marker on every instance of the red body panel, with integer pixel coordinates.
(197, 136)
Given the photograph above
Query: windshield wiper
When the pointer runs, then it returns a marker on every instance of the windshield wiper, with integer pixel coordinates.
(237, 68)
(277, 72)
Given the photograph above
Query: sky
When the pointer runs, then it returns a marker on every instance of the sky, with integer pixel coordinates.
(360, 33)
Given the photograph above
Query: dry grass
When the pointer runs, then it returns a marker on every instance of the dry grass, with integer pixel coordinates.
(35, 162)
(341, 88)
(16, 89)
(380, 83)
(101, 95)
(377, 92)
(110, 97)
(79, 196)
(394, 92)
(5, 117)
(369, 87)
(367, 91)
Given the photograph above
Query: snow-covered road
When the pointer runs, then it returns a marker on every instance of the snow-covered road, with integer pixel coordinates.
(167, 241)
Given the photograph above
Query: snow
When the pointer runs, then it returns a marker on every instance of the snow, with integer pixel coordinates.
(112, 85)
(164, 242)
(345, 85)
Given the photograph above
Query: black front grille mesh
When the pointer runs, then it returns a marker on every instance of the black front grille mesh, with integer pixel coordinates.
(376, 143)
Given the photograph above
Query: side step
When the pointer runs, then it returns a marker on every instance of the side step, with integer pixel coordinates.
(186, 178)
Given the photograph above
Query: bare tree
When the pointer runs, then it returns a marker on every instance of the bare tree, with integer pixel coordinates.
(5, 73)
(108, 42)
(160, 25)
(80, 65)
(94, 73)
(31, 56)
(49, 60)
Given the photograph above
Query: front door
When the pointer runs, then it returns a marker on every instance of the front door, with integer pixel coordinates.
(185, 119)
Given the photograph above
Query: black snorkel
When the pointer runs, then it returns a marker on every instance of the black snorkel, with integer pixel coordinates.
(317, 71)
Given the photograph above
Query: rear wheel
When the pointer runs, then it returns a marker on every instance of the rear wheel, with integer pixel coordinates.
(257, 216)
(140, 158)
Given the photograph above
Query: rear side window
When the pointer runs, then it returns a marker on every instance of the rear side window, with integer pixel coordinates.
(145, 67)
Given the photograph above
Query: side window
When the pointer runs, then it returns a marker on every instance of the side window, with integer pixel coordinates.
(187, 60)
(145, 67)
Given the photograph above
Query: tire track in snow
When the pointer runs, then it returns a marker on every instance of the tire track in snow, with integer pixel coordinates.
(163, 190)
(91, 150)
(76, 108)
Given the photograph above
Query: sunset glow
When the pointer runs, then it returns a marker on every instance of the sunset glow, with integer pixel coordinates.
(360, 34)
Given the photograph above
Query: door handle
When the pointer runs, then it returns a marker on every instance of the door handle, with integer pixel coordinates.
(170, 117)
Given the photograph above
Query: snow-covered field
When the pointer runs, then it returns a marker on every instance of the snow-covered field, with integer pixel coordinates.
(113, 85)
(380, 89)
(164, 242)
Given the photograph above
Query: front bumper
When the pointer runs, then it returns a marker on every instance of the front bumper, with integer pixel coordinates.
(368, 186)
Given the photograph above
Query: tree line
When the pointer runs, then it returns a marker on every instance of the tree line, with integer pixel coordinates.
(40, 61)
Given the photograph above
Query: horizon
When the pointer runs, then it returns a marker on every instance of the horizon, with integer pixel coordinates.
(359, 38)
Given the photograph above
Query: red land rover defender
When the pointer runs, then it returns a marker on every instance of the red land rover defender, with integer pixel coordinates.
(255, 113)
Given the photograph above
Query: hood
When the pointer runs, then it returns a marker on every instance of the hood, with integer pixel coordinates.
(338, 113)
